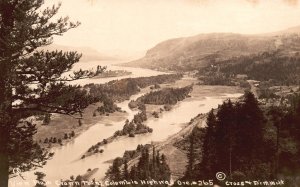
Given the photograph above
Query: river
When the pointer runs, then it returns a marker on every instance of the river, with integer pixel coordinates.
(112, 65)
(67, 162)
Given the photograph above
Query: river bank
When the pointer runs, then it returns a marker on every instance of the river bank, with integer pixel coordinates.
(176, 158)
(60, 125)
(112, 73)
(162, 100)
(61, 129)
(66, 161)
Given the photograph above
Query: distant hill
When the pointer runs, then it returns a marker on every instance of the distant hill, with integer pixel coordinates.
(291, 30)
(190, 53)
(88, 54)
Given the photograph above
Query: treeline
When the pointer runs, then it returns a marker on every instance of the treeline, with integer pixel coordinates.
(248, 143)
(95, 149)
(108, 107)
(78, 181)
(269, 66)
(113, 73)
(135, 126)
(213, 76)
(119, 90)
(54, 140)
(114, 170)
(150, 167)
(166, 96)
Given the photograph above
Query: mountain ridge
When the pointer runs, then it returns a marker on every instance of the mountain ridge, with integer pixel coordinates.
(188, 53)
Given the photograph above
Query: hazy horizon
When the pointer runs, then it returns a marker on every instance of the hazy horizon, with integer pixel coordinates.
(130, 27)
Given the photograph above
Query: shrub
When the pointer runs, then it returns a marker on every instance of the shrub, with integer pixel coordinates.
(47, 119)
(104, 141)
(66, 136)
(131, 135)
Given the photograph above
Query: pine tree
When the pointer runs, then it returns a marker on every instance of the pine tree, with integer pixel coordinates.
(225, 136)
(250, 143)
(115, 170)
(143, 165)
(25, 26)
(153, 162)
(276, 116)
(164, 170)
(133, 173)
(191, 158)
(209, 147)
(157, 159)
(126, 172)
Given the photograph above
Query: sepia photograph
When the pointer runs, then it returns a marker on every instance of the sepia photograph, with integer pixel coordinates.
(149, 93)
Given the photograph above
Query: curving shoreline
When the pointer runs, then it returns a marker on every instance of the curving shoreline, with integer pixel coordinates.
(166, 146)
(67, 156)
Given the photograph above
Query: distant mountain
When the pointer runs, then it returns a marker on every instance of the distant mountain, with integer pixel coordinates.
(194, 52)
(291, 30)
(88, 54)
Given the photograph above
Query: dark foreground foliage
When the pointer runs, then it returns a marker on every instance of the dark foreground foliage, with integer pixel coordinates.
(150, 167)
(248, 143)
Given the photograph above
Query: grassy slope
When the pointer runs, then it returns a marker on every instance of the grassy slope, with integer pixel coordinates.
(61, 124)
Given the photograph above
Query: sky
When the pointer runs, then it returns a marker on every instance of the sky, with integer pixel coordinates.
(131, 26)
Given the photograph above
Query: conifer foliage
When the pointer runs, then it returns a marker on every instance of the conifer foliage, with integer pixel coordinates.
(233, 142)
(148, 168)
(248, 142)
(31, 80)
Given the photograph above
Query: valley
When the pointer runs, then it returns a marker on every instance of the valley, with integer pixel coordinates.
(149, 93)
(162, 107)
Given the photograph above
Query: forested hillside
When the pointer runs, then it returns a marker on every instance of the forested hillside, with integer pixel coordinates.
(190, 53)
(197, 51)
(275, 67)
(247, 142)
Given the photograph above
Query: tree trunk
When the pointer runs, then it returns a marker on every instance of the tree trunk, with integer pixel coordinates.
(5, 120)
(4, 133)
(3, 170)
(6, 13)
(5, 107)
